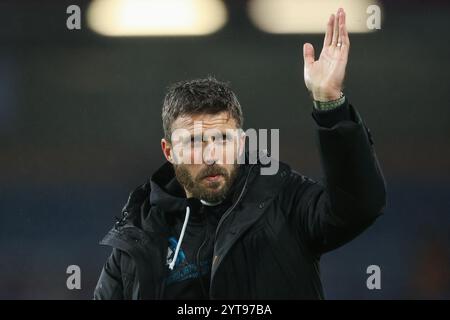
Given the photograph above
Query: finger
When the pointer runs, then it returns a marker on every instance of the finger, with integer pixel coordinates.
(308, 54)
(345, 38)
(335, 29)
(345, 41)
(342, 45)
(329, 32)
(341, 26)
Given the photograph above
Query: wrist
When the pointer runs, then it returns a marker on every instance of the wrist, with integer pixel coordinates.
(324, 96)
(329, 105)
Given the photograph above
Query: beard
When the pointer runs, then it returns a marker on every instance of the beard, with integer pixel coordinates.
(214, 191)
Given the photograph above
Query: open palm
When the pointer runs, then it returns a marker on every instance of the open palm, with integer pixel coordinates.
(324, 77)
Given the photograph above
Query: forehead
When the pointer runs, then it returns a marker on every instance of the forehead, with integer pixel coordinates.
(220, 121)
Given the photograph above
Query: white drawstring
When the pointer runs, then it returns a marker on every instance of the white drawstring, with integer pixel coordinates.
(172, 264)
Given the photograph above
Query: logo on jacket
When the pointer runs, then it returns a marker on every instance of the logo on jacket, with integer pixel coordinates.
(183, 270)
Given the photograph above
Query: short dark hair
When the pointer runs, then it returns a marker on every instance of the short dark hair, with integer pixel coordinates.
(206, 95)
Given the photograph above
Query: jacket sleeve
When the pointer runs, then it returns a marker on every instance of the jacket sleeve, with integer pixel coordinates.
(109, 285)
(353, 193)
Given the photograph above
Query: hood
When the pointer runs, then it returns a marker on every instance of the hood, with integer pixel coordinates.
(163, 191)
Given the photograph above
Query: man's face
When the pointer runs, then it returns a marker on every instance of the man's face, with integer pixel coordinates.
(204, 149)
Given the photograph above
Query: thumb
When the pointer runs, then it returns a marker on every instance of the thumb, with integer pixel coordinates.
(308, 54)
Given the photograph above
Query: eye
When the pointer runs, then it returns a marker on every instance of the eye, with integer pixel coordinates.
(221, 139)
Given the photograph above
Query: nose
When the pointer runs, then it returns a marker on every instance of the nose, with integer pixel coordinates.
(210, 154)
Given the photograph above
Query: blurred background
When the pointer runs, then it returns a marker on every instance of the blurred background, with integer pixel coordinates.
(80, 125)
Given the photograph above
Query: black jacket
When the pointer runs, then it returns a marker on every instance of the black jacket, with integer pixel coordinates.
(269, 242)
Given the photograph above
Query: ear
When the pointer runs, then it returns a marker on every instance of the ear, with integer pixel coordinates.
(167, 150)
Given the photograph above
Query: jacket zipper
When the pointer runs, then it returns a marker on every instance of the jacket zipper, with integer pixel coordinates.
(228, 212)
(224, 217)
(197, 260)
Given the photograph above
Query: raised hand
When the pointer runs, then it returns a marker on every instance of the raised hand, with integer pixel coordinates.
(324, 77)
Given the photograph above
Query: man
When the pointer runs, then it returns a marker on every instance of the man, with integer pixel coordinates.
(219, 230)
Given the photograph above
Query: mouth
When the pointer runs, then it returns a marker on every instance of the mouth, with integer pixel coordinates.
(213, 178)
